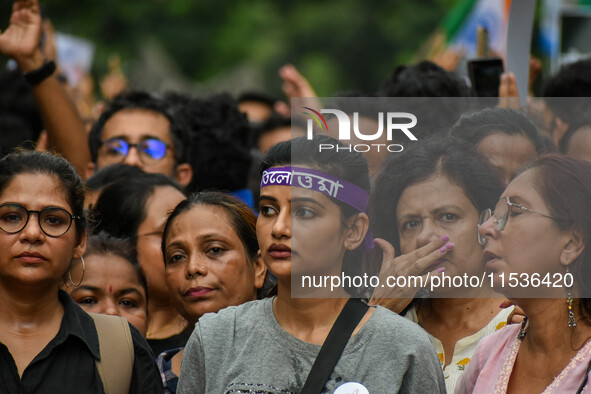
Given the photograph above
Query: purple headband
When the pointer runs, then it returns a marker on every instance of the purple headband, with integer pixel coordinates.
(337, 188)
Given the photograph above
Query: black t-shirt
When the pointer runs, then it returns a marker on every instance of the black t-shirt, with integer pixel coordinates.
(179, 340)
(67, 364)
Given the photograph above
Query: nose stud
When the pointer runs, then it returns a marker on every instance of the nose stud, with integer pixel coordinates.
(196, 274)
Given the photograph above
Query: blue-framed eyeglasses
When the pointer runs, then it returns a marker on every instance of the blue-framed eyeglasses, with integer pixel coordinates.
(150, 150)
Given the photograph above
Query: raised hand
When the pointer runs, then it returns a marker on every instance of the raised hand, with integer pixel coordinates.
(20, 41)
(296, 85)
(416, 264)
(508, 94)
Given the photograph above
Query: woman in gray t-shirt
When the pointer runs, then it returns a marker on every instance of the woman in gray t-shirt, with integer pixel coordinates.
(312, 230)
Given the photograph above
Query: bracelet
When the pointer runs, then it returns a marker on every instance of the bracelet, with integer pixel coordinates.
(35, 77)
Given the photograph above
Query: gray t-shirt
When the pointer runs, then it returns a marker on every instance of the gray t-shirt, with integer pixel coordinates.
(244, 350)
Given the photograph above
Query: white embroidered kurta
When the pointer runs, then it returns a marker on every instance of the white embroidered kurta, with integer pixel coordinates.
(464, 348)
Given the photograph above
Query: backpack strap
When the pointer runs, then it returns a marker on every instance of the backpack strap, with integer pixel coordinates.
(333, 346)
(116, 349)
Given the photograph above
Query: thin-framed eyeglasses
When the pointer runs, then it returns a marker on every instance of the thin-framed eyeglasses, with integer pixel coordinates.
(501, 213)
(53, 221)
(150, 150)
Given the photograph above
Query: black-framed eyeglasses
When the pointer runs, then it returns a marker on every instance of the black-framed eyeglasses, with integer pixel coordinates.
(53, 221)
(501, 213)
(150, 150)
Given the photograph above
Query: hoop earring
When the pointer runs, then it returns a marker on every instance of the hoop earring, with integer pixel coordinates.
(569, 301)
(81, 278)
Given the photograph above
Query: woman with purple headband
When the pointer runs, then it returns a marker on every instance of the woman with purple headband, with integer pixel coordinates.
(311, 338)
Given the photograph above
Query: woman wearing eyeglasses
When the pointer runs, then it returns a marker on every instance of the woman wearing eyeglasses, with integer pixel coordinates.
(426, 197)
(47, 343)
(541, 227)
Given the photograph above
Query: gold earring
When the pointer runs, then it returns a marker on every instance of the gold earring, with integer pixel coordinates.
(81, 278)
(569, 302)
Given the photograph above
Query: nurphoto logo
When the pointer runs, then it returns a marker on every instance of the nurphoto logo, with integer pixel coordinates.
(343, 134)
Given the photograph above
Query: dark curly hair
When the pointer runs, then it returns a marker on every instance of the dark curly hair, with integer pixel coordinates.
(220, 142)
(572, 80)
(476, 126)
(428, 80)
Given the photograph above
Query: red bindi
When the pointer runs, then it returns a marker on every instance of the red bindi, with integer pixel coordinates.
(110, 289)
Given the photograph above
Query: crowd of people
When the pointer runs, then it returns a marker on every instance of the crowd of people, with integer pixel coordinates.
(154, 248)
